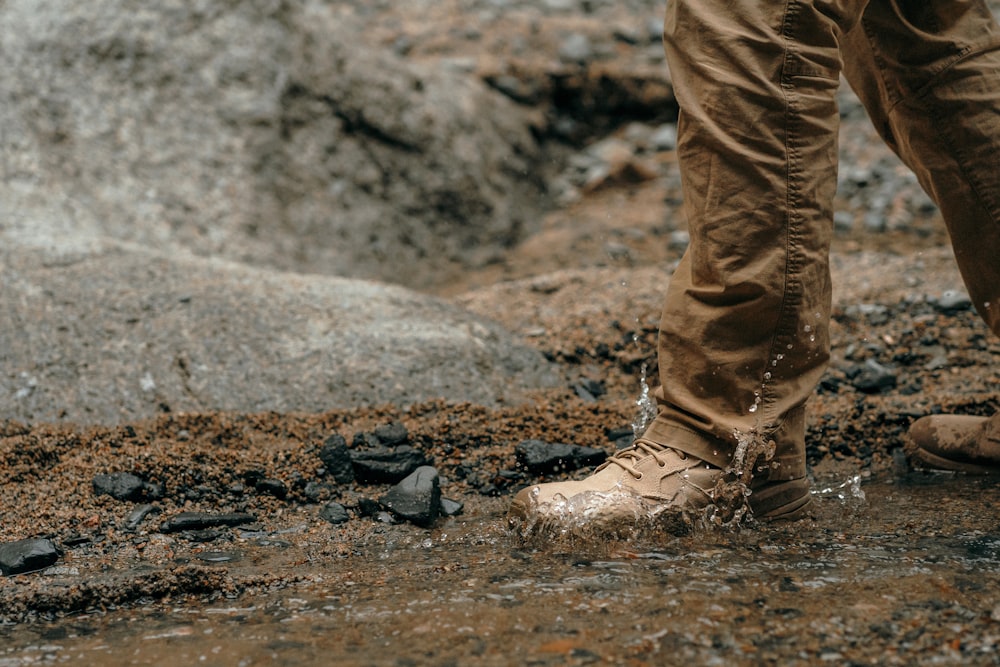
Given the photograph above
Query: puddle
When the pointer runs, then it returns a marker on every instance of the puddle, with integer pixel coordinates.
(905, 572)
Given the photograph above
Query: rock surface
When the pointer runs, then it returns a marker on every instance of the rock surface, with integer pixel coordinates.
(260, 132)
(117, 332)
(27, 556)
(417, 498)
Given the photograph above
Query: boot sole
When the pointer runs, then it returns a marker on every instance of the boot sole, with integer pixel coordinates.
(782, 501)
(935, 462)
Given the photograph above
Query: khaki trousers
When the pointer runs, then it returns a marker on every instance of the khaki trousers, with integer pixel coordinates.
(744, 336)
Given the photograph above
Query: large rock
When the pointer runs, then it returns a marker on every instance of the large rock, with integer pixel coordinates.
(260, 131)
(111, 333)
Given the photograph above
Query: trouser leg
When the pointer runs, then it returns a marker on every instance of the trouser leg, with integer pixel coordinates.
(929, 75)
(744, 338)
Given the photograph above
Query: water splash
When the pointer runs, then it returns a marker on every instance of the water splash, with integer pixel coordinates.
(647, 407)
(847, 490)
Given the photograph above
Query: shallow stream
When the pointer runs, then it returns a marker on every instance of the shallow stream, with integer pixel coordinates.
(907, 574)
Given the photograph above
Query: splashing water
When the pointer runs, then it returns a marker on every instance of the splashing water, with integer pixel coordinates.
(844, 491)
(647, 407)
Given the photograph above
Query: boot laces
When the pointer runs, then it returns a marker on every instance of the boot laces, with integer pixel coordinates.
(628, 458)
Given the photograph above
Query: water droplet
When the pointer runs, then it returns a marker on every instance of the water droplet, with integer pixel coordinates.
(753, 408)
(807, 328)
(767, 376)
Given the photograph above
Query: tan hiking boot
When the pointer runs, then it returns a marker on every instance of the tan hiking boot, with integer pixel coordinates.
(649, 483)
(960, 443)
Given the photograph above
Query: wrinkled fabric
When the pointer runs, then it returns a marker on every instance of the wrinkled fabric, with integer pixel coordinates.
(744, 336)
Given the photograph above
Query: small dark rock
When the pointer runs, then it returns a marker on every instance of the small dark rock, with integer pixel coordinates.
(27, 555)
(952, 301)
(365, 440)
(337, 459)
(383, 465)
(873, 377)
(74, 540)
(202, 520)
(124, 486)
(315, 492)
(138, 515)
(272, 487)
(451, 507)
(391, 434)
(335, 513)
(368, 507)
(204, 535)
(541, 457)
(417, 498)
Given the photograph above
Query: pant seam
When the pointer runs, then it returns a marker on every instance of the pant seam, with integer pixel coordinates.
(790, 293)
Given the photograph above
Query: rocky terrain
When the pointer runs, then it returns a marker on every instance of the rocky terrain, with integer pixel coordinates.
(283, 274)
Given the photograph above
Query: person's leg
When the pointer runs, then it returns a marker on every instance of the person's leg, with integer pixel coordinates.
(743, 338)
(929, 75)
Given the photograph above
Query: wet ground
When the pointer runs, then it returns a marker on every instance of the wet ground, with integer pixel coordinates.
(900, 570)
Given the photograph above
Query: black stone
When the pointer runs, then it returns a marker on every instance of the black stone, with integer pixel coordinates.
(417, 498)
(202, 520)
(451, 507)
(953, 301)
(368, 507)
(27, 555)
(386, 466)
(203, 535)
(272, 487)
(392, 434)
(335, 513)
(315, 492)
(540, 457)
(124, 486)
(337, 459)
(138, 515)
(873, 377)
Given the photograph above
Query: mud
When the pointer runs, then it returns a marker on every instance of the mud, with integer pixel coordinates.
(906, 574)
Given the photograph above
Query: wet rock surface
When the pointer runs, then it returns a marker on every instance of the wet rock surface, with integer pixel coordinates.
(538, 457)
(27, 555)
(417, 498)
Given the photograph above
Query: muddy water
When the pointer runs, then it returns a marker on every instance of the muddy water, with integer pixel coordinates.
(910, 574)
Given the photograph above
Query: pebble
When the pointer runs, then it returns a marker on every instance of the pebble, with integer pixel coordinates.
(417, 498)
(125, 486)
(336, 459)
(451, 507)
(272, 487)
(576, 49)
(335, 513)
(391, 434)
(540, 457)
(382, 465)
(139, 514)
(952, 301)
(27, 555)
(873, 377)
(202, 520)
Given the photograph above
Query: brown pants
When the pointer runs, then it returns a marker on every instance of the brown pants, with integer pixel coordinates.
(744, 335)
